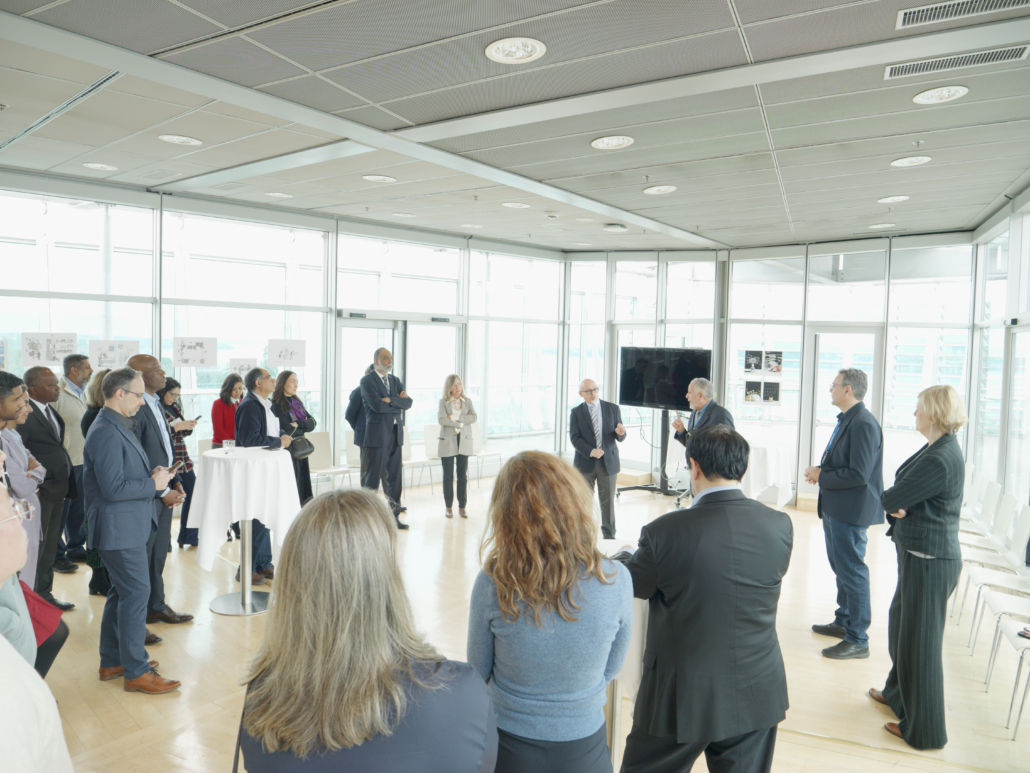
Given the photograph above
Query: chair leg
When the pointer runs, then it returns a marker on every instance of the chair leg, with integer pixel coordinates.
(976, 606)
(1015, 686)
(995, 646)
(1022, 703)
(976, 633)
(963, 604)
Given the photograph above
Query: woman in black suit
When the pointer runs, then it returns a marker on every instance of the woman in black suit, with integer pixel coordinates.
(923, 507)
(294, 420)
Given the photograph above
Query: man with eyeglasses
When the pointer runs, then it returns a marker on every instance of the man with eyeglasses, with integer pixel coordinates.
(24, 473)
(594, 429)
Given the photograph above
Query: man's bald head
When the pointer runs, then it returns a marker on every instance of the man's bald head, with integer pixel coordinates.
(151, 370)
(588, 390)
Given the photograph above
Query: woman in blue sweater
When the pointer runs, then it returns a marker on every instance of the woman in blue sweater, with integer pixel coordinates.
(550, 619)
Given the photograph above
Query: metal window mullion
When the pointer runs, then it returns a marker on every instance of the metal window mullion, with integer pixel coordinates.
(332, 388)
(242, 305)
(801, 376)
(564, 333)
(886, 329)
(158, 286)
(720, 326)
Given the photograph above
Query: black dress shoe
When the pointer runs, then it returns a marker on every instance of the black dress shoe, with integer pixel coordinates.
(64, 606)
(846, 651)
(152, 638)
(403, 509)
(64, 566)
(167, 615)
(402, 526)
(829, 630)
(79, 558)
(94, 591)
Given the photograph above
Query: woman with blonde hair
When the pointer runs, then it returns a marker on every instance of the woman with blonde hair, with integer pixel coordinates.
(550, 619)
(923, 506)
(455, 414)
(342, 680)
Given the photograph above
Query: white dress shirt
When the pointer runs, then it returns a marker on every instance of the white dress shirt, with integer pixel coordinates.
(271, 422)
(42, 408)
(162, 422)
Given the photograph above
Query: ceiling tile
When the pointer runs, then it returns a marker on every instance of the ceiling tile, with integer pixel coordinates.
(224, 108)
(130, 84)
(28, 98)
(124, 161)
(33, 60)
(272, 143)
(209, 128)
(238, 14)
(314, 92)
(374, 117)
(237, 60)
(184, 169)
(106, 117)
(40, 153)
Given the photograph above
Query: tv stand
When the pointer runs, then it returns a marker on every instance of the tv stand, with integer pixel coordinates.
(662, 487)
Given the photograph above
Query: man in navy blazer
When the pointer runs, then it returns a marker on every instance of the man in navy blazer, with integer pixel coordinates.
(595, 427)
(385, 401)
(704, 412)
(120, 491)
(850, 480)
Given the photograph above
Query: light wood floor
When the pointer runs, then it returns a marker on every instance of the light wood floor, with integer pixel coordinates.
(831, 726)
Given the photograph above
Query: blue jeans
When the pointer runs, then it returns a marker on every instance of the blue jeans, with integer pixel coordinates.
(261, 546)
(845, 547)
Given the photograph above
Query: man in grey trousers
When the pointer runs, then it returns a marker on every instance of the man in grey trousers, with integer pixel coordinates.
(594, 429)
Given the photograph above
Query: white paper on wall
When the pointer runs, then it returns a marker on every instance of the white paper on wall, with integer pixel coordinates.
(111, 354)
(188, 352)
(283, 353)
(46, 349)
(3, 355)
(241, 366)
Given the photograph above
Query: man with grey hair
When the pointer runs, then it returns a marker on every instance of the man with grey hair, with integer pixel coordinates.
(704, 412)
(850, 481)
(385, 402)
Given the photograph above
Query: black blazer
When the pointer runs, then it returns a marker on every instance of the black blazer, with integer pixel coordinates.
(148, 432)
(252, 424)
(285, 426)
(851, 471)
(713, 414)
(928, 486)
(355, 416)
(581, 433)
(38, 436)
(712, 662)
(380, 416)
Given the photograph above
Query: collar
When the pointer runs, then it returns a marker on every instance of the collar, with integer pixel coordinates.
(712, 490)
(41, 406)
(842, 414)
(126, 421)
(704, 408)
(263, 400)
(78, 391)
(152, 400)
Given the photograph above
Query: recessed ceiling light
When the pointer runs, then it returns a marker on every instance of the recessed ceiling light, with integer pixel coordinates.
(178, 139)
(403, 214)
(581, 244)
(941, 94)
(584, 220)
(101, 167)
(515, 205)
(615, 228)
(280, 195)
(882, 225)
(891, 199)
(378, 178)
(470, 225)
(515, 50)
(911, 161)
(658, 190)
(612, 143)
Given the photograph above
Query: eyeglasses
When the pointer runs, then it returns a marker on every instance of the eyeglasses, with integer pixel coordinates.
(138, 394)
(22, 509)
(589, 391)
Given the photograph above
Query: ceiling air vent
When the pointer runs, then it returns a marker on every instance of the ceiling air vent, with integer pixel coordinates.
(941, 64)
(960, 9)
(228, 186)
(160, 174)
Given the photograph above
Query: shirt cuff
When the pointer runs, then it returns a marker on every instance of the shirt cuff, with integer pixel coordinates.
(164, 493)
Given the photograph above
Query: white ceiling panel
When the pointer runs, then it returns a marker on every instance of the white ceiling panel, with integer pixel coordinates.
(129, 84)
(40, 153)
(107, 117)
(270, 143)
(32, 60)
(209, 128)
(28, 98)
(125, 162)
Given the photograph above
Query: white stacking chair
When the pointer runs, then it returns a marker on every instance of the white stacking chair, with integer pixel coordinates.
(203, 446)
(997, 540)
(1015, 577)
(432, 446)
(353, 453)
(320, 462)
(981, 519)
(1009, 630)
(972, 494)
(967, 482)
(480, 452)
(1002, 605)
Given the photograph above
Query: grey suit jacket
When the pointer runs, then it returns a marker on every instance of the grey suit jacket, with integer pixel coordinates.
(581, 435)
(449, 437)
(379, 416)
(119, 490)
(713, 414)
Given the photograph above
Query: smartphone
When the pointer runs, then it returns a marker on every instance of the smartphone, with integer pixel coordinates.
(175, 468)
(1025, 633)
(201, 416)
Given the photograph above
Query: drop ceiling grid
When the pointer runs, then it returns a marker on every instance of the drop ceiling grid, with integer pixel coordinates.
(29, 97)
(1013, 166)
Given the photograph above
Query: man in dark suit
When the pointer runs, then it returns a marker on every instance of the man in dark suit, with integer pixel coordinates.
(850, 480)
(155, 436)
(713, 677)
(120, 488)
(385, 401)
(43, 436)
(704, 412)
(594, 429)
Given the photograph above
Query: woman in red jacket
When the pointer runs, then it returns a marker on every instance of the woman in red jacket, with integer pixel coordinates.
(223, 412)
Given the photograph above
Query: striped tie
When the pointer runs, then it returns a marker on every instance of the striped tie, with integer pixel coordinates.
(596, 420)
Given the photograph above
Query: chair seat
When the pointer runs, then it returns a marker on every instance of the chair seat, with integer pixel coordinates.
(330, 470)
(974, 527)
(985, 543)
(995, 579)
(1004, 604)
(986, 558)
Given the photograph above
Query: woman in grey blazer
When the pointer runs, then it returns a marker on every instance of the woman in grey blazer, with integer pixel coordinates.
(923, 506)
(455, 415)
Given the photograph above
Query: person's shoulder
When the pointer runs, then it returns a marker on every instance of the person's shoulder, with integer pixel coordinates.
(456, 684)
(484, 586)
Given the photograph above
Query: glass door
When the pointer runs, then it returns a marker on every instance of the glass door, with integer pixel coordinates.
(431, 356)
(358, 341)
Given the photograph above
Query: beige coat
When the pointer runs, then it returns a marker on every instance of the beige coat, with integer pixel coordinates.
(449, 443)
(71, 409)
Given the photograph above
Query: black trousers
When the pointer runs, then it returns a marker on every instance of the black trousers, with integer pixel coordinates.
(385, 460)
(187, 536)
(915, 641)
(157, 554)
(448, 480)
(516, 754)
(748, 753)
(73, 524)
(364, 468)
(46, 653)
(51, 509)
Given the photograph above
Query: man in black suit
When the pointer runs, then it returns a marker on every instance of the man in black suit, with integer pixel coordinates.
(594, 429)
(385, 401)
(713, 677)
(155, 436)
(704, 412)
(43, 436)
(850, 480)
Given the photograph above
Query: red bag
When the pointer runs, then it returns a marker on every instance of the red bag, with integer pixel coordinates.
(45, 616)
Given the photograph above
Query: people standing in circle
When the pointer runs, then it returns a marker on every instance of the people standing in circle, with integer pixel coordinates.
(223, 411)
(181, 428)
(455, 415)
(99, 581)
(295, 421)
(385, 402)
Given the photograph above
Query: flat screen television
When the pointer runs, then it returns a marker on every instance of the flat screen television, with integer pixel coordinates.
(656, 378)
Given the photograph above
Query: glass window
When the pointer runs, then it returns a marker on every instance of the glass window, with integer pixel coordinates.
(586, 358)
(988, 409)
(396, 276)
(635, 450)
(767, 289)
(208, 258)
(933, 284)
(1017, 445)
(588, 291)
(690, 291)
(431, 358)
(523, 288)
(996, 280)
(636, 291)
(847, 287)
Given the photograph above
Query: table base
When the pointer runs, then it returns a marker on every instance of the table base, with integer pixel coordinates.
(232, 604)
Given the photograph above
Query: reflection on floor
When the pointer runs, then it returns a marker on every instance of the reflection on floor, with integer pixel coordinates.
(831, 726)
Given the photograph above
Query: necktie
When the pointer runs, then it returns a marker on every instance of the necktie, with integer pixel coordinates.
(386, 383)
(693, 421)
(53, 422)
(595, 419)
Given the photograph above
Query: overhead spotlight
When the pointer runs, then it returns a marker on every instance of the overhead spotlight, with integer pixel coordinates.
(551, 215)
(911, 161)
(515, 50)
(403, 214)
(940, 94)
(178, 139)
(470, 225)
(878, 226)
(584, 220)
(515, 205)
(615, 228)
(658, 190)
(280, 195)
(581, 244)
(378, 178)
(612, 143)
(101, 167)
(892, 199)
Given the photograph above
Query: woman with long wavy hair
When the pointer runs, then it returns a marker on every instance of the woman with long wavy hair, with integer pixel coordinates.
(342, 680)
(550, 619)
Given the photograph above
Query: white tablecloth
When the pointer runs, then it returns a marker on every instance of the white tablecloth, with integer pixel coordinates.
(633, 666)
(767, 467)
(249, 484)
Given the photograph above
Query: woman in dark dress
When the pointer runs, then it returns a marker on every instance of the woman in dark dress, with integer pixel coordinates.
(295, 421)
(180, 429)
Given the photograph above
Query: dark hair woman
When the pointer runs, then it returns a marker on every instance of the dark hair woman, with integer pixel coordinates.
(223, 412)
(180, 429)
(294, 421)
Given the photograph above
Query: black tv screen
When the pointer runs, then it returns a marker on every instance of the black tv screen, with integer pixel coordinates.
(659, 378)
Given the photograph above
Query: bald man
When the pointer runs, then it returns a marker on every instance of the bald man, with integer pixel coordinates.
(594, 429)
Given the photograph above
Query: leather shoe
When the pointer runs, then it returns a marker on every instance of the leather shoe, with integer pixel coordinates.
(98, 591)
(877, 696)
(402, 526)
(152, 638)
(403, 509)
(268, 571)
(894, 729)
(829, 630)
(64, 606)
(167, 615)
(64, 566)
(107, 674)
(256, 578)
(151, 683)
(846, 651)
(462, 513)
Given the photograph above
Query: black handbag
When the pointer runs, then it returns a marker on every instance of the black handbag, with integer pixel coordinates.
(301, 448)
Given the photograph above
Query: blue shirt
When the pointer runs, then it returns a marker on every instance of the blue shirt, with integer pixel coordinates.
(78, 391)
(698, 412)
(712, 490)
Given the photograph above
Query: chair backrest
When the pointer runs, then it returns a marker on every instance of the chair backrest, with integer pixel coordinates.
(967, 481)
(1003, 516)
(477, 438)
(432, 433)
(990, 503)
(353, 452)
(974, 490)
(1021, 533)
(203, 446)
(406, 448)
(322, 456)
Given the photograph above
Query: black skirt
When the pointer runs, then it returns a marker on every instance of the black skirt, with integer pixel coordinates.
(516, 754)
(303, 474)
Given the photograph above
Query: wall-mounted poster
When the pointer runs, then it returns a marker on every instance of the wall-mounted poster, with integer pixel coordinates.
(752, 391)
(194, 352)
(3, 355)
(771, 392)
(773, 363)
(47, 349)
(288, 354)
(111, 354)
(242, 366)
(752, 361)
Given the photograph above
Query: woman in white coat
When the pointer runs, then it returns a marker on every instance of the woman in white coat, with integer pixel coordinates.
(455, 415)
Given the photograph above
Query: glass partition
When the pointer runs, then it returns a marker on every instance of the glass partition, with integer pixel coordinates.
(379, 274)
(988, 409)
(636, 290)
(933, 284)
(588, 291)
(1017, 445)
(847, 287)
(523, 288)
(690, 291)
(767, 289)
(996, 277)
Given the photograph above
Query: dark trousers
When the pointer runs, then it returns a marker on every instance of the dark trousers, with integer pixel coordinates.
(385, 460)
(46, 653)
(50, 510)
(915, 641)
(448, 480)
(748, 753)
(123, 627)
(157, 554)
(364, 469)
(261, 546)
(845, 547)
(606, 495)
(73, 527)
(516, 754)
(187, 536)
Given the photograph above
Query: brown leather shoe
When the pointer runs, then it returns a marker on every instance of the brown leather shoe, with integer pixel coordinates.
(167, 615)
(462, 513)
(107, 674)
(893, 729)
(256, 578)
(152, 638)
(269, 572)
(877, 696)
(151, 683)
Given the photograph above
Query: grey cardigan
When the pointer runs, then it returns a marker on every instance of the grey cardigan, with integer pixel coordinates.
(453, 443)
